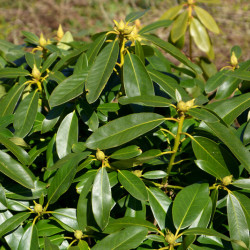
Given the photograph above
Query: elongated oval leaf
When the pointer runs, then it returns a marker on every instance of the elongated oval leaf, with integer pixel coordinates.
(61, 182)
(172, 12)
(126, 153)
(180, 26)
(135, 15)
(129, 238)
(159, 204)
(49, 61)
(122, 130)
(200, 36)
(67, 135)
(13, 72)
(101, 71)
(8, 103)
(203, 114)
(13, 222)
(207, 20)
(242, 183)
(146, 100)
(133, 185)
(237, 222)
(155, 25)
(20, 153)
(226, 135)
(188, 204)
(29, 241)
(26, 114)
(16, 171)
(67, 216)
(101, 198)
(68, 89)
(211, 158)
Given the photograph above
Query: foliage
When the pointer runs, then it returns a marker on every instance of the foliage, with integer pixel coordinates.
(109, 145)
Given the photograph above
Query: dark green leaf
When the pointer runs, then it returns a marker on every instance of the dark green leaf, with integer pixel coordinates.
(203, 114)
(155, 25)
(49, 61)
(242, 183)
(126, 153)
(13, 72)
(48, 245)
(29, 240)
(133, 185)
(81, 65)
(30, 37)
(101, 198)
(135, 15)
(67, 216)
(101, 71)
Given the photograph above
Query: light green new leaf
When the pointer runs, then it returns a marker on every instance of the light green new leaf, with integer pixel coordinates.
(237, 222)
(25, 115)
(13, 72)
(242, 183)
(16, 171)
(210, 157)
(129, 238)
(171, 13)
(125, 222)
(68, 89)
(188, 204)
(123, 129)
(146, 100)
(13, 222)
(133, 184)
(61, 182)
(101, 70)
(19, 152)
(173, 51)
(155, 25)
(200, 36)
(94, 48)
(101, 198)
(227, 136)
(136, 79)
(67, 134)
(168, 84)
(180, 26)
(8, 102)
(159, 203)
(207, 20)
(126, 153)
(29, 241)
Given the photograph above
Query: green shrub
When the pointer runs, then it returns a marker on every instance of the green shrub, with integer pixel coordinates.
(109, 145)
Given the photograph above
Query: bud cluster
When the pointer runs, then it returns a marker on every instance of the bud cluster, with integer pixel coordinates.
(185, 106)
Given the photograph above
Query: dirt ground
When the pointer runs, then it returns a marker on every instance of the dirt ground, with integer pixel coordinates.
(84, 17)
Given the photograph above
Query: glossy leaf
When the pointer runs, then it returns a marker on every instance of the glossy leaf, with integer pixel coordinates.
(203, 114)
(48, 245)
(126, 153)
(8, 103)
(232, 142)
(133, 184)
(188, 203)
(139, 51)
(237, 222)
(13, 72)
(159, 204)
(123, 129)
(242, 183)
(146, 100)
(13, 222)
(61, 182)
(179, 26)
(67, 135)
(206, 19)
(20, 153)
(155, 174)
(68, 89)
(25, 114)
(101, 198)
(173, 51)
(29, 240)
(67, 216)
(200, 36)
(16, 171)
(101, 71)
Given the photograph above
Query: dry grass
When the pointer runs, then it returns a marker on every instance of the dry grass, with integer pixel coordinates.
(83, 17)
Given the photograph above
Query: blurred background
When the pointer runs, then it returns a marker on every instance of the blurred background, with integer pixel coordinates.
(85, 17)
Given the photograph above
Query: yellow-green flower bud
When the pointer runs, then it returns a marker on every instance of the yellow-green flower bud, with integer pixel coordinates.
(234, 60)
(60, 32)
(36, 72)
(170, 238)
(190, 104)
(138, 173)
(38, 208)
(227, 180)
(100, 156)
(78, 234)
(182, 106)
(42, 40)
